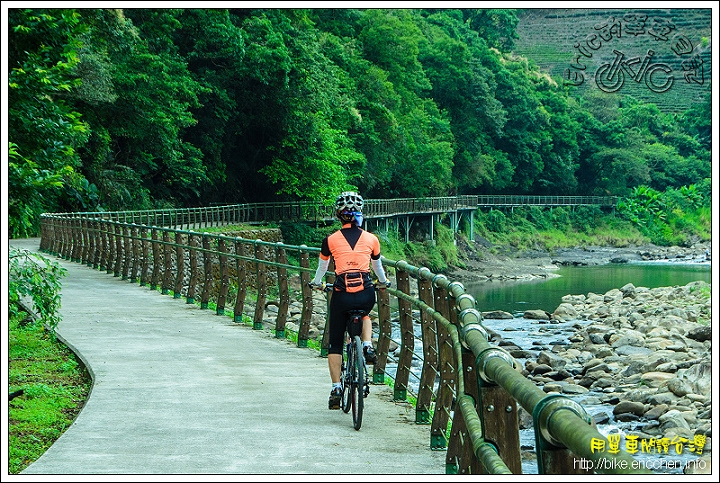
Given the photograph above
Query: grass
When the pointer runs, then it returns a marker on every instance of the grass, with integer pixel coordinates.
(54, 385)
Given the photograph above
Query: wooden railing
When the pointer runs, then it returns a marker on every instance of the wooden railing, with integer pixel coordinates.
(469, 389)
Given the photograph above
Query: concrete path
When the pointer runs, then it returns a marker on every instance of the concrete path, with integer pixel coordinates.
(180, 390)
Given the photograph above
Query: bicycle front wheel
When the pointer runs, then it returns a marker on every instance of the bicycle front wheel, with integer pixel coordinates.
(358, 382)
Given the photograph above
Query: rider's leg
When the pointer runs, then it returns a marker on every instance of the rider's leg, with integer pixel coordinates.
(334, 364)
(368, 349)
(367, 329)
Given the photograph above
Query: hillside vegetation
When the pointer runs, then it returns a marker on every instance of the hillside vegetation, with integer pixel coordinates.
(142, 108)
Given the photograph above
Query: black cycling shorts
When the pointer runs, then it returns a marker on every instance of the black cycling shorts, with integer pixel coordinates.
(340, 303)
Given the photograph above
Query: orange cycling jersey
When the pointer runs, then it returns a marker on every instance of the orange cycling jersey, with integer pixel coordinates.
(352, 248)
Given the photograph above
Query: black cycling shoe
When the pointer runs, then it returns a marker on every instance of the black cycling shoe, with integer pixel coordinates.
(335, 398)
(370, 356)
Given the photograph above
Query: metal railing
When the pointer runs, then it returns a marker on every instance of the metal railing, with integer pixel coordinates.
(469, 389)
(310, 211)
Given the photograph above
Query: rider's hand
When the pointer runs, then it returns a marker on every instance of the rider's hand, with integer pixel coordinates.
(384, 285)
(316, 286)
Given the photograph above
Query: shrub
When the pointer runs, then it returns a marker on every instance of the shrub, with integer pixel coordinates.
(35, 277)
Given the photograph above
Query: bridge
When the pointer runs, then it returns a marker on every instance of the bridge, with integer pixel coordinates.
(470, 390)
(386, 214)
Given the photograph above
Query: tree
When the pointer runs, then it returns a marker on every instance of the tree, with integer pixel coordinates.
(496, 25)
(459, 66)
(46, 132)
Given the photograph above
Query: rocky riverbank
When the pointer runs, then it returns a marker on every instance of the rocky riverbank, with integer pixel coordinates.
(644, 352)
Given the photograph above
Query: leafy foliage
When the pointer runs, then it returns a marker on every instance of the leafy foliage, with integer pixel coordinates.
(142, 108)
(34, 276)
(674, 217)
(46, 131)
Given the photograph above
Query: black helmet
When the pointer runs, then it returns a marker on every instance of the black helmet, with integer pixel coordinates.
(347, 205)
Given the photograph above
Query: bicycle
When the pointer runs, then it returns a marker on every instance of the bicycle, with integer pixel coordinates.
(354, 375)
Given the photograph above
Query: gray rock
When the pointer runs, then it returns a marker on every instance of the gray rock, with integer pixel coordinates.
(628, 290)
(552, 387)
(601, 418)
(627, 417)
(655, 379)
(597, 339)
(667, 367)
(627, 350)
(673, 419)
(662, 398)
(565, 311)
(679, 387)
(552, 360)
(573, 389)
(633, 407)
(655, 412)
(700, 378)
(601, 383)
(521, 354)
(541, 368)
(497, 314)
(536, 314)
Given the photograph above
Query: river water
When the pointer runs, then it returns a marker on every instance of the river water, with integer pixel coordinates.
(516, 297)
(546, 294)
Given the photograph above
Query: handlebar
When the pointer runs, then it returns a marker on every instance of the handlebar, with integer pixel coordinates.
(322, 287)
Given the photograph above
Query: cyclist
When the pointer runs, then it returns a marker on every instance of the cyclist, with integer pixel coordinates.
(354, 251)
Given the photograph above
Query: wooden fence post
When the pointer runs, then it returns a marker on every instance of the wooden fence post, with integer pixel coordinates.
(224, 278)
(192, 283)
(307, 301)
(407, 345)
(241, 280)
(180, 262)
(284, 302)
(261, 279)
(430, 355)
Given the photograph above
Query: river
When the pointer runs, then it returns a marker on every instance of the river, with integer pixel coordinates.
(546, 294)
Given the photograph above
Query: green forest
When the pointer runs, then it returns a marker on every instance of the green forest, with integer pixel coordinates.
(129, 109)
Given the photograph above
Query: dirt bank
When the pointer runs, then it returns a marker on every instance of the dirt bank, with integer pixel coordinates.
(484, 261)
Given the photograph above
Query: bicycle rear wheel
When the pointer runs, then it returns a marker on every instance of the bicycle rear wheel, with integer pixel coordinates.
(346, 378)
(358, 382)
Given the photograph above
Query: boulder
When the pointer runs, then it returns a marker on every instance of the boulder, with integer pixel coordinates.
(497, 314)
(633, 407)
(536, 314)
(552, 360)
(655, 379)
(700, 334)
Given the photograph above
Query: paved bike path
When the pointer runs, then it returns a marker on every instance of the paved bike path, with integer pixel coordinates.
(180, 390)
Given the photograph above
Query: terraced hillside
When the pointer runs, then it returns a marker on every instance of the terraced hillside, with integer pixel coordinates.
(573, 44)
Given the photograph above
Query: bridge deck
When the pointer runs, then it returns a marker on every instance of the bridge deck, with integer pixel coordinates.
(180, 390)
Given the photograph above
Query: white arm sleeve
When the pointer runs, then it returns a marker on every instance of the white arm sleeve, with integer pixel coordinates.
(321, 269)
(379, 271)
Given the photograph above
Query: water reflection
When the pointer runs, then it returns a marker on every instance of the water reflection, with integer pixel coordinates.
(546, 294)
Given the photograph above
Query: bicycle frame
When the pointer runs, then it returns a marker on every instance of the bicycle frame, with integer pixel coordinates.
(354, 374)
